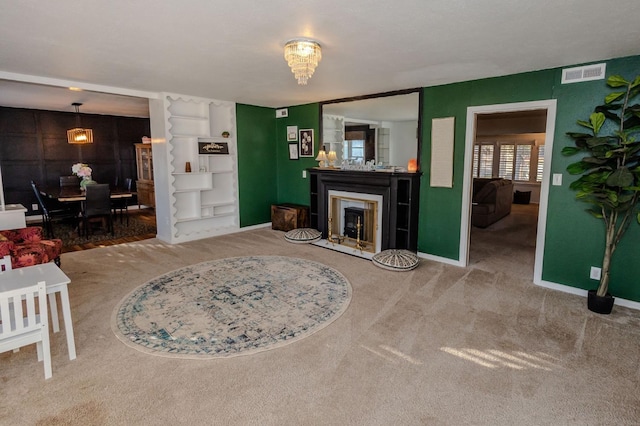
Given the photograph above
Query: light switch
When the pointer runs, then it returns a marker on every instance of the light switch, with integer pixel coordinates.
(557, 179)
(304, 174)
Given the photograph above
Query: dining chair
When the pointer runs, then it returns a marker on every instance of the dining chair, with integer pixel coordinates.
(5, 263)
(97, 206)
(50, 215)
(69, 181)
(22, 325)
(121, 205)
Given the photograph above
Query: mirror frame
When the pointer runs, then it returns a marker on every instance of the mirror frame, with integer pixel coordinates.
(382, 95)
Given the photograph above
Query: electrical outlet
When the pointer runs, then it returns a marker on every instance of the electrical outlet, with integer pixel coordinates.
(595, 273)
(34, 207)
(304, 174)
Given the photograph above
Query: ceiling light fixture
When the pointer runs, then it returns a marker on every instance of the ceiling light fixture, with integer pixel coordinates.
(78, 135)
(302, 55)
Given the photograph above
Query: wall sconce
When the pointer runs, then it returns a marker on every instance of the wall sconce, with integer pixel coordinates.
(78, 135)
(412, 166)
(322, 159)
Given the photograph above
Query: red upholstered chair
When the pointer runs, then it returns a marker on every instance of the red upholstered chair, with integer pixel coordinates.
(27, 247)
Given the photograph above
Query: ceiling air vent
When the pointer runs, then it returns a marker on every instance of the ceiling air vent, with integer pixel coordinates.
(585, 73)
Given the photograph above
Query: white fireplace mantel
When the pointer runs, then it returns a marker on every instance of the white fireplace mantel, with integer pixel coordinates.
(355, 198)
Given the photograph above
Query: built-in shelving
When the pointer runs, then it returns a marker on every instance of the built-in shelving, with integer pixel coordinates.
(333, 134)
(204, 199)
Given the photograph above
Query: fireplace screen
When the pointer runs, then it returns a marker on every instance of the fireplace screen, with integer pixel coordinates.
(353, 222)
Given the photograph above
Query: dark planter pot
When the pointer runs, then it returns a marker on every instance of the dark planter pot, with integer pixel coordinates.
(600, 304)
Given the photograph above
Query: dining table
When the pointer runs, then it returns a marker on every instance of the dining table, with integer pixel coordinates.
(56, 281)
(66, 194)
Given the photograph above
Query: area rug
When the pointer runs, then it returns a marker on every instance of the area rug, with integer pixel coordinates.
(68, 232)
(231, 307)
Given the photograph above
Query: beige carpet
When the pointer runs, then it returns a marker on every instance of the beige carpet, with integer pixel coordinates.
(439, 345)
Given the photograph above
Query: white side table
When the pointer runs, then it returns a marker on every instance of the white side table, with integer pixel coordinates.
(12, 216)
(56, 282)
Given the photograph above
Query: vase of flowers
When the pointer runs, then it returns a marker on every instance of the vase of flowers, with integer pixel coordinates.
(83, 171)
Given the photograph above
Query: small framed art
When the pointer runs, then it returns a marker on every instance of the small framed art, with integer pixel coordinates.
(306, 142)
(292, 133)
(293, 151)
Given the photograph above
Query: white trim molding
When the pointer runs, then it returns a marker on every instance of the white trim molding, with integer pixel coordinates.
(580, 292)
(550, 106)
(440, 259)
(57, 82)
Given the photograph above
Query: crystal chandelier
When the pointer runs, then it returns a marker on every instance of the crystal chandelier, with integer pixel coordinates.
(78, 135)
(303, 56)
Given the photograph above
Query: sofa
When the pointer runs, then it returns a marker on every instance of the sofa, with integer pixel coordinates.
(27, 247)
(492, 198)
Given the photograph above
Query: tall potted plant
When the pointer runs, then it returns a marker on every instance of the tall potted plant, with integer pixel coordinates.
(609, 172)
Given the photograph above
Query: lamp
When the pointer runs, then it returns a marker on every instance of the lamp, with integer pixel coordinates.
(78, 135)
(332, 157)
(303, 56)
(412, 165)
(322, 158)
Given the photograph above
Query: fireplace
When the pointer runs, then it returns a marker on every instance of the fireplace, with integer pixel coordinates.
(386, 204)
(354, 222)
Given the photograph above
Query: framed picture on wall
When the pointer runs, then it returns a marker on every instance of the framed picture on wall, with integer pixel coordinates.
(293, 151)
(306, 142)
(292, 133)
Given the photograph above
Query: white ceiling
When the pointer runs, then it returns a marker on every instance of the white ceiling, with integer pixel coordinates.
(232, 50)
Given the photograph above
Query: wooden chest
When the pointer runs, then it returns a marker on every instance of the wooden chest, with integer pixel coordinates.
(285, 217)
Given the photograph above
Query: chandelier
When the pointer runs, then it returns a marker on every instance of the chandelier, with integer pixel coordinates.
(78, 135)
(303, 56)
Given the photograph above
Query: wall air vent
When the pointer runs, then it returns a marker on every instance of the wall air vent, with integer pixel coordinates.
(585, 73)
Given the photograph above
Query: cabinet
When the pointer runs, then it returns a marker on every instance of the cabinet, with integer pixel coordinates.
(144, 184)
(204, 200)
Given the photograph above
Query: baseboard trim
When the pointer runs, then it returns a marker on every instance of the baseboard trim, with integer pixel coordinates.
(440, 259)
(580, 292)
(252, 227)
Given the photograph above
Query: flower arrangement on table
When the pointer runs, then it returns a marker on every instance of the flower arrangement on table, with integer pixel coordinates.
(83, 171)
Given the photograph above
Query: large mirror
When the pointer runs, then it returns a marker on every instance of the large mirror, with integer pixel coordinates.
(383, 129)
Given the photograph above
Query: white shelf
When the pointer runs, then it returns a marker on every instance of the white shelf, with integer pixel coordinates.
(185, 136)
(188, 219)
(181, 191)
(204, 202)
(220, 204)
(190, 117)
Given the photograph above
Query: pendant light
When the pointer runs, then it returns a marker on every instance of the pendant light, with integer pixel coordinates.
(78, 135)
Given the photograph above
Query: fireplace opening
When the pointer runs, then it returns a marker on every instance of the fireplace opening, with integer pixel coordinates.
(354, 222)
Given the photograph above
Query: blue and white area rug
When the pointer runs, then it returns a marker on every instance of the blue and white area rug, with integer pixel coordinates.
(230, 307)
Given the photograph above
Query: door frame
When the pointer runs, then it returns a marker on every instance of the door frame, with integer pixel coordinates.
(550, 106)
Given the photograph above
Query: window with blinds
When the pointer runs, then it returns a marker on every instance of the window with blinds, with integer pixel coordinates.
(483, 161)
(515, 161)
(540, 167)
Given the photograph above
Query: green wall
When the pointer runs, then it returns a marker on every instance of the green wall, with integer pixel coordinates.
(292, 187)
(439, 228)
(257, 174)
(574, 239)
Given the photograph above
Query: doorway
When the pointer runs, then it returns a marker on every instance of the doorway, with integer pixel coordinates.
(474, 114)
